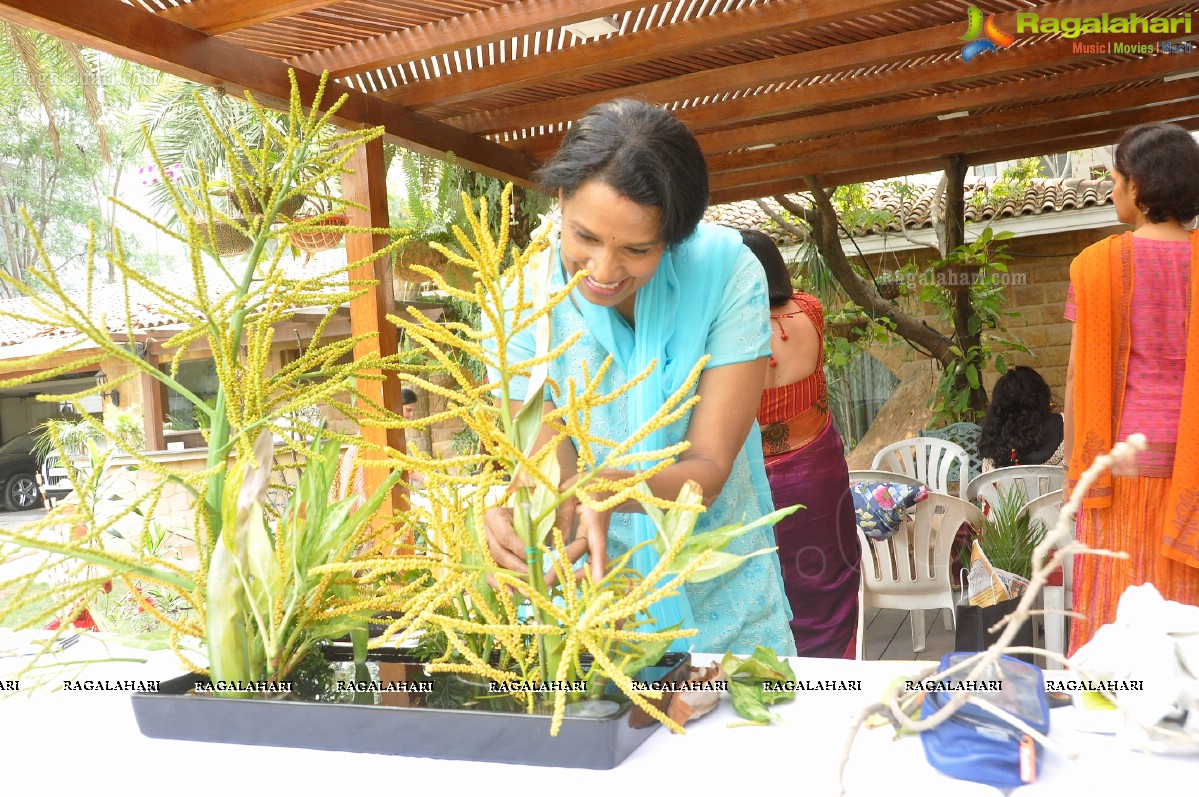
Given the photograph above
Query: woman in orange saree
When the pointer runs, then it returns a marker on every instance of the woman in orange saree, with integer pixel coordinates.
(1136, 313)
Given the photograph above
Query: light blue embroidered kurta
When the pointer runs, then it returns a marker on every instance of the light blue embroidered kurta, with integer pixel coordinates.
(746, 607)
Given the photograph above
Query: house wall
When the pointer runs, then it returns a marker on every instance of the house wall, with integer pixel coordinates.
(1039, 279)
(174, 511)
(131, 393)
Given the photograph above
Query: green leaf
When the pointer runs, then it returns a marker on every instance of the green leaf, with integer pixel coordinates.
(746, 678)
(972, 376)
(973, 324)
(749, 704)
(718, 539)
(265, 576)
(527, 423)
(681, 522)
(717, 564)
(225, 632)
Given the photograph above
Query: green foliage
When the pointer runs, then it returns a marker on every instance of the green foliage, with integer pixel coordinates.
(64, 147)
(981, 267)
(758, 681)
(855, 211)
(1012, 181)
(232, 309)
(177, 117)
(432, 201)
(1008, 537)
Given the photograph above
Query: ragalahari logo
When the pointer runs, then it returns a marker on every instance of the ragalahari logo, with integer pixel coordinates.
(983, 36)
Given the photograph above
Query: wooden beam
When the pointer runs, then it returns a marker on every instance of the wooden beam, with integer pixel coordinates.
(768, 142)
(901, 150)
(153, 415)
(818, 63)
(367, 186)
(222, 16)
(456, 33)
(902, 111)
(619, 52)
(136, 35)
(882, 171)
(937, 75)
(943, 130)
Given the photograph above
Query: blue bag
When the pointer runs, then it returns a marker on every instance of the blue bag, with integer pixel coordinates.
(977, 746)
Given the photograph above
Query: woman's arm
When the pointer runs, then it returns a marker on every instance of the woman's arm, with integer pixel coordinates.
(729, 396)
(719, 424)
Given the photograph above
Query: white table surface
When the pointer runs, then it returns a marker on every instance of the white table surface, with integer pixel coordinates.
(87, 741)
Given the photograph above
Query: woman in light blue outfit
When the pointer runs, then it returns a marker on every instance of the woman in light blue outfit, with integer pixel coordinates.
(632, 187)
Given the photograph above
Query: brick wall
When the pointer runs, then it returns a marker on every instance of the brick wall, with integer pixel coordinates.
(1039, 275)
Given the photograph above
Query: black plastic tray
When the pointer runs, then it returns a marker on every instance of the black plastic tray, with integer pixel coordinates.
(480, 733)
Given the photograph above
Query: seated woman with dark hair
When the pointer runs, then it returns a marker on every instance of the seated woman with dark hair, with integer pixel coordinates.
(1020, 427)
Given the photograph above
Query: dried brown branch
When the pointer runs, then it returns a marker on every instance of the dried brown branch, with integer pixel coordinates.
(894, 707)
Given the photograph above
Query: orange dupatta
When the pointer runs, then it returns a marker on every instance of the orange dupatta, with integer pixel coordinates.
(1102, 277)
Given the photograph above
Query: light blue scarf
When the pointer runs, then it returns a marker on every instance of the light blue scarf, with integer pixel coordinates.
(673, 313)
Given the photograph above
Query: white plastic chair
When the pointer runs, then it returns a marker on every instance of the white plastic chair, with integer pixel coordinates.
(911, 569)
(1056, 598)
(1033, 481)
(928, 459)
(882, 476)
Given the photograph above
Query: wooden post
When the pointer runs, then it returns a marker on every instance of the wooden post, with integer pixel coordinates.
(152, 414)
(367, 186)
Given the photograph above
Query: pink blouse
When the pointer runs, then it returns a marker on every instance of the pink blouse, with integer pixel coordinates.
(1157, 352)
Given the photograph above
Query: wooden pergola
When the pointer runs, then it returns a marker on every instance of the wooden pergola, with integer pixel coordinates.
(776, 90)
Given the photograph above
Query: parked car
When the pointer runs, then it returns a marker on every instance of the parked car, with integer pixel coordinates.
(56, 483)
(18, 474)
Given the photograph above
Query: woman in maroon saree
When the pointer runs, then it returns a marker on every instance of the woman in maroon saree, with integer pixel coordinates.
(805, 464)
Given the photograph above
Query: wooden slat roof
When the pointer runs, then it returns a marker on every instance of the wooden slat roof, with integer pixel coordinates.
(774, 89)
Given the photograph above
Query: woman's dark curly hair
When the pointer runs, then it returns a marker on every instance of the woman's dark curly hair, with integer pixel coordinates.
(1013, 421)
(1162, 161)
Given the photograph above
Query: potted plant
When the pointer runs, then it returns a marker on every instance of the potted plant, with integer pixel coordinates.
(234, 310)
(276, 587)
(430, 209)
(1008, 536)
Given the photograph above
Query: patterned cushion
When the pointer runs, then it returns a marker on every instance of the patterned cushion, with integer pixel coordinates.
(880, 506)
(966, 435)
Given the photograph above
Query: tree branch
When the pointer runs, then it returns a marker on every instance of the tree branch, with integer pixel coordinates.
(801, 233)
(823, 219)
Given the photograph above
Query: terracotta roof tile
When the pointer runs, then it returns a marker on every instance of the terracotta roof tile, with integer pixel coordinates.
(108, 303)
(1042, 195)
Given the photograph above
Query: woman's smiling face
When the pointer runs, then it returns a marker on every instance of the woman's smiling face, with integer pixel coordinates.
(615, 239)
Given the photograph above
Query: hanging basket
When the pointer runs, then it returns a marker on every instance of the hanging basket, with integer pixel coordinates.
(227, 239)
(320, 240)
(849, 330)
(245, 199)
(418, 253)
(889, 290)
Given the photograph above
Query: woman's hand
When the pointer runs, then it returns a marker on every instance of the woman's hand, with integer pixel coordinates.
(507, 549)
(583, 529)
(593, 533)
